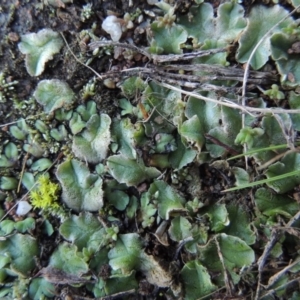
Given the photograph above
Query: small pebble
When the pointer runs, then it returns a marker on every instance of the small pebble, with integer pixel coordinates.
(23, 208)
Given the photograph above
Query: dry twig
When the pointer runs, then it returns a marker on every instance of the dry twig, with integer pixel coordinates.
(278, 275)
(225, 274)
(154, 57)
(230, 103)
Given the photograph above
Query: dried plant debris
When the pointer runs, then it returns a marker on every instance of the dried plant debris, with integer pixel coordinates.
(150, 152)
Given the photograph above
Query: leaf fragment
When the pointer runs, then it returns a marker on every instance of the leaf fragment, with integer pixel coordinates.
(235, 254)
(81, 189)
(67, 259)
(129, 171)
(39, 48)
(169, 201)
(80, 229)
(53, 94)
(92, 143)
(126, 253)
(260, 21)
(196, 279)
(22, 249)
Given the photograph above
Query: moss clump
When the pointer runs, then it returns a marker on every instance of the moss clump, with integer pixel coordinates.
(45, 195)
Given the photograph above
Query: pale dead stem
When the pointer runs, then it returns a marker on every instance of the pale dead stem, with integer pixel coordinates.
(212, 293)
(228, 283)
(228, 102)
(154, 57)
(278, 275)
(78, 60)
(272, 292)
(276, 158)
(28, 118)
(22, 171)
(262, 260)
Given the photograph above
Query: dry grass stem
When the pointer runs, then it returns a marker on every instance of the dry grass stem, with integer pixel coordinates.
(227, 102)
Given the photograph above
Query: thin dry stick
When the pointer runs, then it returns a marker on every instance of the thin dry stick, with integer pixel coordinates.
(14, 122)
(191, 80)
(276, 158)
(283, 286)
(149, 117)
(96, 44)
(275, 235)
(184, 80)
(277, 276)
(23, 168)
(219, 143)
(117, 295)
(226, 279)
(212, 293)
(287, 132)
(227, 102)
(293, 220)
(83, 64)
(154, 57)
(221, 72)
(262, 260)
(22, 171)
